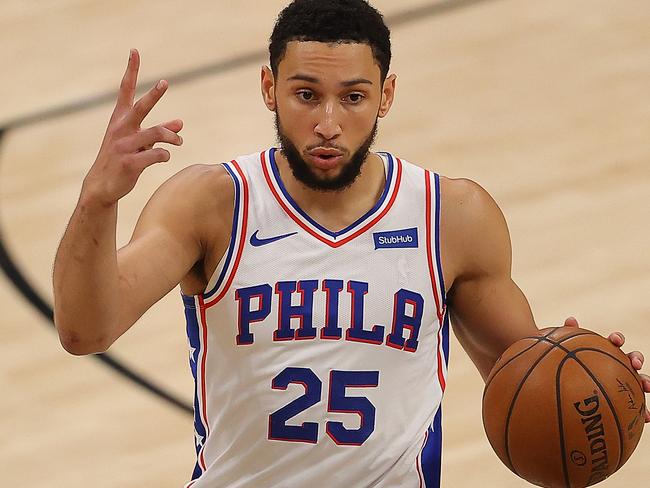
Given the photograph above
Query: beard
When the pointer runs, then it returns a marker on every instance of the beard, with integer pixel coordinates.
(303, 173)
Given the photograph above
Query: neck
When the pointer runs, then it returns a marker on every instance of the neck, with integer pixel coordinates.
(336, 210)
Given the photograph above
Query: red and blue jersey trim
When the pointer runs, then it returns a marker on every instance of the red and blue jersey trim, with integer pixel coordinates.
(237, 237)
(339, 238)
(435, 272)
(233, 235)
(195, 307)
(429, 460)
(441, 278)
(197, 333)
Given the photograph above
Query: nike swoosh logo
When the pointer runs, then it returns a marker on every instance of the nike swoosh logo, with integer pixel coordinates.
(259, 241)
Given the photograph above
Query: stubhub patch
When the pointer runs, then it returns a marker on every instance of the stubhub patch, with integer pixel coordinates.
(396, 238)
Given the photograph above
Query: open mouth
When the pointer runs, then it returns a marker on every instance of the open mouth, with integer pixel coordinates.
(325, 159)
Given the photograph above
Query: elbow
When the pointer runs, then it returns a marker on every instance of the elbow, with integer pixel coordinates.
(79, 345)
(83, 348)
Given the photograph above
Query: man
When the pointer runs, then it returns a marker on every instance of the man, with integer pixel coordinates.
(319, 268)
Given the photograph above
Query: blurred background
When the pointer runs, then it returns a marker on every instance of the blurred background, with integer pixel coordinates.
(545, 104)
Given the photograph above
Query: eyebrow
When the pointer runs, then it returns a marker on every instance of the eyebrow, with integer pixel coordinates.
(311, 79)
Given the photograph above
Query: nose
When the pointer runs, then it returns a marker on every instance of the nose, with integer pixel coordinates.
(328, 126)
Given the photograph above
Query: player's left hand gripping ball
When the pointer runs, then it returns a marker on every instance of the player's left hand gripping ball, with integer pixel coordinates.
(636, 358)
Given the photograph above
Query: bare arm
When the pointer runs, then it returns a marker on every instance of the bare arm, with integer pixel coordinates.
(93, 285)
(488, 310)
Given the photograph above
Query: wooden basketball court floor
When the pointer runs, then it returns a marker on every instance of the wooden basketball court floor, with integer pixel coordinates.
(544, 103)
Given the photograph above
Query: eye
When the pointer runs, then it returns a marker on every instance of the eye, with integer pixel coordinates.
(305, 95)
(355, 98)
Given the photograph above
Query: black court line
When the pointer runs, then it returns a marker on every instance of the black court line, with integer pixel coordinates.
(220, 67)
(8, 264)
(18, 279)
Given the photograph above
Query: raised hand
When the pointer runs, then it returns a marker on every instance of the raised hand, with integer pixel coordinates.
(127, 149)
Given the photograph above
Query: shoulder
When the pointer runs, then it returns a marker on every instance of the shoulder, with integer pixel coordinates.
(200, 181)
(190, 199)
(198, 187)
(468, 204)
(473, 230)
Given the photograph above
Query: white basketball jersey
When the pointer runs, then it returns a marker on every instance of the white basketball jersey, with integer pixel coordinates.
(320, 357)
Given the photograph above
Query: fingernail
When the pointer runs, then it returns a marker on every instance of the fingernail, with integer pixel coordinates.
(160, 85)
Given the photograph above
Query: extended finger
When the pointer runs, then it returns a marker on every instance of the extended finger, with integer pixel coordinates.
(173, 125)
(645, 382)
(147, 138)
(129, 81)
(617, 338)
(636, 359)
(142, 160)
(571, 322)
(143, 106)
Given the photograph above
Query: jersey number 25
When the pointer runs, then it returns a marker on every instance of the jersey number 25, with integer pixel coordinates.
(337, 402)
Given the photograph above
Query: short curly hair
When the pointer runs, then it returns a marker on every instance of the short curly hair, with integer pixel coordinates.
(331, 21)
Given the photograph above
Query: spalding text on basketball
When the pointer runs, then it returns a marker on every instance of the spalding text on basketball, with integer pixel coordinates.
(592, 422)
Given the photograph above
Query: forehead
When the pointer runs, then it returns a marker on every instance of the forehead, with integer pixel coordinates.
(322, 59)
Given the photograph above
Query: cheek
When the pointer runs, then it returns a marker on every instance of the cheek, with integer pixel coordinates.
(292, 117)
(294, 126)
(366, 112)
(290, 104)
(361, 122)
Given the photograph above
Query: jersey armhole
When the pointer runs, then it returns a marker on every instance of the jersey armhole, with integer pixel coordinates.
(432, 218)
(441, 277)
(225, 269)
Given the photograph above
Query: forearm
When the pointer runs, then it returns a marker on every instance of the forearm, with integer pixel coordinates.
(488, 310)
(86, 279)
(488, 317)
(90, 293)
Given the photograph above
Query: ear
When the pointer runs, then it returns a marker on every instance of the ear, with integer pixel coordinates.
(268, 88)
(387, 95)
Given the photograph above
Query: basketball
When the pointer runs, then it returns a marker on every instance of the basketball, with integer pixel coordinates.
(563, 408)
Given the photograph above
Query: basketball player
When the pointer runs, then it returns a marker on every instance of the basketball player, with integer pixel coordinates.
(318, 278)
